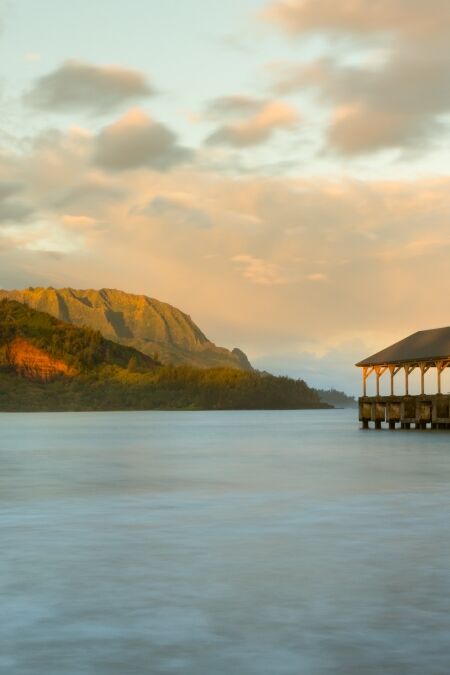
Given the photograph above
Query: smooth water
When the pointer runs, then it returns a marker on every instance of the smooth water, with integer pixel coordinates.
(222, 543)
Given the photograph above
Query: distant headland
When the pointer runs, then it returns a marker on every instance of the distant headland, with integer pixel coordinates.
(149, 325)
(47, 364)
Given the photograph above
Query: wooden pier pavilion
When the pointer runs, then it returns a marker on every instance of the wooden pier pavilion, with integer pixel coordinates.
(425, 350)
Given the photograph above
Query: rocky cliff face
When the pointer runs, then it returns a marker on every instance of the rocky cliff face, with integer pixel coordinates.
(151, 326)
(242, 358)
(34, 363)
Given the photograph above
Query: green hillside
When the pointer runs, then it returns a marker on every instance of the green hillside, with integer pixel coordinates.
(48, 365)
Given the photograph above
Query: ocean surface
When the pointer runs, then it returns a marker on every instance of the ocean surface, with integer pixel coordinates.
(222, 543)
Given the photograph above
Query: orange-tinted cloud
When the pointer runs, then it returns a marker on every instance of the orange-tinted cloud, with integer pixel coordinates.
(259, 271)
(257, 120)
(412, 18)
(397, 100)
(267, 263)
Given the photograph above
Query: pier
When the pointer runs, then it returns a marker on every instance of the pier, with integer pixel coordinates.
(405, 412)
(424, 351)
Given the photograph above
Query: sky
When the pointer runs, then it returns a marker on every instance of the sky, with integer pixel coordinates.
(278, 169)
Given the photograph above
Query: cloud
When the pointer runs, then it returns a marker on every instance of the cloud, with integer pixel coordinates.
(234, 105)
(261, 120)
(136, 140)
(76, 85)
(396, 105)
(394, 101)
(294, 262)
(92, 191)
(358, 129)
(259, 271)
(316, 276)
(411, 18)
(9, 188)
(79, 221)
(178, 209)
(12, 211)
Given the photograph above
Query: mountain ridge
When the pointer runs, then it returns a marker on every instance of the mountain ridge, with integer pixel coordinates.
(50, 365)
(38, 346)
(153, 327)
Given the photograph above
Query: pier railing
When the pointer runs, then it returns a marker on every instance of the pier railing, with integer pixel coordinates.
(405, 412)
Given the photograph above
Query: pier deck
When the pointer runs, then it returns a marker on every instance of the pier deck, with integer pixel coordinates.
(405, 412)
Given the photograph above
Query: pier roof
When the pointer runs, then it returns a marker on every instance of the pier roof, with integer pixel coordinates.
(423, 346)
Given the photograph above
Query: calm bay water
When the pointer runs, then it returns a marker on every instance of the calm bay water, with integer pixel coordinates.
(253, 543)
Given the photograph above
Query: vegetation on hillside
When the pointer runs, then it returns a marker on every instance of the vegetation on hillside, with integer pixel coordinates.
(114, 377)
(81, 348)
(336, 398)
(169, 388)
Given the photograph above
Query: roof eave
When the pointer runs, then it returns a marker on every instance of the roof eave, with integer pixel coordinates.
(401, 362)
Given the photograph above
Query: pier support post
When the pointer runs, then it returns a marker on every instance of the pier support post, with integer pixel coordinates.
(440, 367)
(393, 371)
(366, 372)
(408, 371)
(379, 370)
(424, 367)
